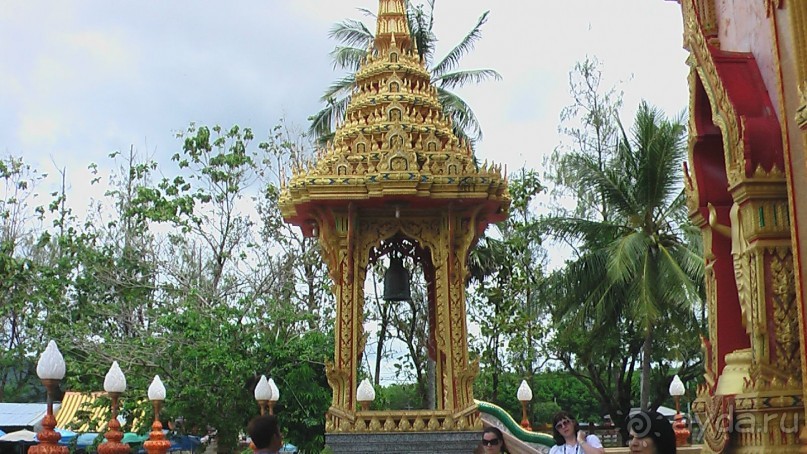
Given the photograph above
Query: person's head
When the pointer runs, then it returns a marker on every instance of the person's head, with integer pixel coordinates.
(651, 433)
(492, 440)
(264, 431)
(564, 426)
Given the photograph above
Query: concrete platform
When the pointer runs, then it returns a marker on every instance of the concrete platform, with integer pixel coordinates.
(404, 442)
(695, 449)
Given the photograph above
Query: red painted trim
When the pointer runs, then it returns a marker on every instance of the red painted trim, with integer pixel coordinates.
(759, 127)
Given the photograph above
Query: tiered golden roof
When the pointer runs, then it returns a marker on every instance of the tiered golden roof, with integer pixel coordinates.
(395, 139)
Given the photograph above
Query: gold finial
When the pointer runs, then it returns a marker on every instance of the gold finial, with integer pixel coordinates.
(392, 28)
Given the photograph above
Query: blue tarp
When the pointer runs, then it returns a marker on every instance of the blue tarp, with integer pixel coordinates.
(85, 440)
(2, 433)
(184, 443)
(68, 436)
(288, 447)
(133, 438)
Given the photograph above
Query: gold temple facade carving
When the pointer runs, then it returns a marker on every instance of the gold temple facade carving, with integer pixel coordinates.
(745, 182)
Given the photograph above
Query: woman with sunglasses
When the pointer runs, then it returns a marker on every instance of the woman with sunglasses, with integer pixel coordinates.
(569, 439)
(492, 441)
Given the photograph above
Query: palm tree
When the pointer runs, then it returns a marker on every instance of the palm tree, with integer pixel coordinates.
(355, 38)
(638, 263)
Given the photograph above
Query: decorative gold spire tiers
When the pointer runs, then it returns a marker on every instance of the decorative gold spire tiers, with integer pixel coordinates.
(395, 139)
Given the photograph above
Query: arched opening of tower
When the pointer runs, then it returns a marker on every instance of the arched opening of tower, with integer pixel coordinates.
(398, 324)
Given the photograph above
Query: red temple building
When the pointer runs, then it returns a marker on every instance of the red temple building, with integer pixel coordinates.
(747, 187)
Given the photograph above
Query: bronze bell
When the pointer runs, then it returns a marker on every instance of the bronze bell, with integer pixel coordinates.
(396, 281)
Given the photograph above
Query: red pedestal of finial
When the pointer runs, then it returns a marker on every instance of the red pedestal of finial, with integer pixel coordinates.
(113, 445)
(156, 444)
(525, 422)
(679, 426)
(49, 438)
(681, 431)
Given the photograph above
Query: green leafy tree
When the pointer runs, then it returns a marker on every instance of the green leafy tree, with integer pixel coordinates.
(508, 270)
(636, 265)
(599, 333)
(24, 297)
(355, 38)
(228, 291)
(184, 280)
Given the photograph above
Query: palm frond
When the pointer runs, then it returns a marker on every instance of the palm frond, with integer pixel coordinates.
(627, 255)
(675, 210)
(452, 59)
(341, 89)
(347, 57)
(420, 29)
(612, 183)
(573, 230)
(646, 302)
(323, 122)
(660, 151)
(564, 287)
(676, 285)
(465, 124)
(460, 78)
(368, 12)
(482, 259)
(582, 295)
(352, 32)
(689, 260)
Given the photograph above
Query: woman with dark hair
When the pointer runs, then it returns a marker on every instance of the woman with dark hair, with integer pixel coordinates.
(651, 433)
(492, 441)
(569, 439)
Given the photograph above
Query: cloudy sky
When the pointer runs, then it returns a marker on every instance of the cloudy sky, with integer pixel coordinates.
(80, 79)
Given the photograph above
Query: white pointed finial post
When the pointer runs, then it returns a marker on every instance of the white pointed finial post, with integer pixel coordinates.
(275, 396)
(156, 444)
(263, 393)
(524, 395)
(365, 394)
(115, 381)
(682, 433)
(114, 385)
(50, 369)
(51, 363)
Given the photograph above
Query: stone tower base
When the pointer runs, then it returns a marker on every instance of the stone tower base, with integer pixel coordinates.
(404, 442)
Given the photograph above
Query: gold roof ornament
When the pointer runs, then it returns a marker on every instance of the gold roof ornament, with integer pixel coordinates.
(395, 140)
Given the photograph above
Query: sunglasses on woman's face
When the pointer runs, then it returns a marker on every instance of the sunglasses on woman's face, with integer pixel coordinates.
(562, 423)
(486, 442)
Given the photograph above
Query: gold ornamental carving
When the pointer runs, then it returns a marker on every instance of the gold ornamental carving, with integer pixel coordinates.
(797, 11)
(801, 113)
(716, 415)
(785, 315)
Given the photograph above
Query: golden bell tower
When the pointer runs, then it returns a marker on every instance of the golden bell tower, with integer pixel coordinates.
(397, 180)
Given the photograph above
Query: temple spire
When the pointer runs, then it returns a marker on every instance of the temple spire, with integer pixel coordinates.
(392, 27)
